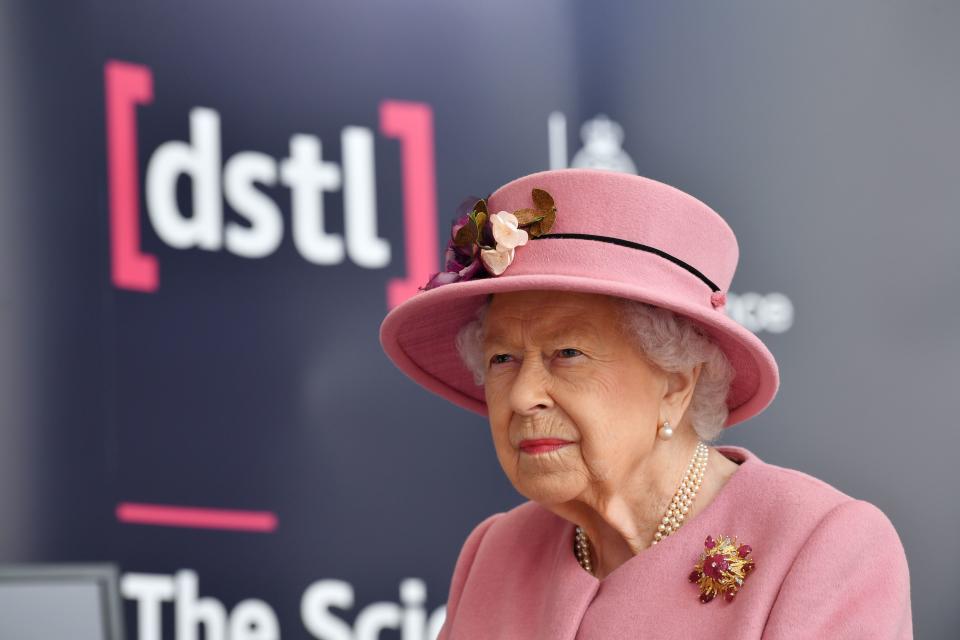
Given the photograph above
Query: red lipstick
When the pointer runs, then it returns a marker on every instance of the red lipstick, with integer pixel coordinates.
(542, 445)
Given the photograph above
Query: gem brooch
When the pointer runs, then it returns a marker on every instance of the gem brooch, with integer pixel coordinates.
(722, 568)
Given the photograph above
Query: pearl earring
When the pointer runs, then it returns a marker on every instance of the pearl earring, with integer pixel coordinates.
(665, 432)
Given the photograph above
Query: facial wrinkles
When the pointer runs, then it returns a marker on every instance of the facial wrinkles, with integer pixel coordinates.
(597, 454)
(602, 430)
(611, 455)
(532, 330)
(530, 333)
(531, 340)
(540, 425)
(533, 369)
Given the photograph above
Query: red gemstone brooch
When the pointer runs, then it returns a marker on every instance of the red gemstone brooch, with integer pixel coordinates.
(722, 568)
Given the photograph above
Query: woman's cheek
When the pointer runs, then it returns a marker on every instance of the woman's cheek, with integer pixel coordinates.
(493, 391)
(574, 370)
(498, 410)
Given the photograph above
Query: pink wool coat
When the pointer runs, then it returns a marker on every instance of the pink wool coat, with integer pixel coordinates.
(827, 566)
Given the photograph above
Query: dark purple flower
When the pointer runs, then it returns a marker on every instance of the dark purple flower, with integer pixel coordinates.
(444, 277)
(453, 261)
(471, 270)
(456, 257)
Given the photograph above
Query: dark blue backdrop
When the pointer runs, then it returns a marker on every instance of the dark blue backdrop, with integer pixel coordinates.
(255, 386)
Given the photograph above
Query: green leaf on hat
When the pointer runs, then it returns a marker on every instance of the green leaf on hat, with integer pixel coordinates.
(527, 216)
(548, 219)
(543, 223)
(543, 200)
(480, 218)
(468, 234)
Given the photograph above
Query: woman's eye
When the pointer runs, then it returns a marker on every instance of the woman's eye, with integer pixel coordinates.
(569, 353)
(500, 358)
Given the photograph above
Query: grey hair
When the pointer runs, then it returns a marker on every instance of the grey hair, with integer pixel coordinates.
(469, 343)
(669, 341)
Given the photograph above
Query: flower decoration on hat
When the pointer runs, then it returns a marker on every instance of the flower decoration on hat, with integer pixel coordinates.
(484, 244)
(722, 568)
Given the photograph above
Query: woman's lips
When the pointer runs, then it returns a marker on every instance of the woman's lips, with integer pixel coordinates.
(542, 445)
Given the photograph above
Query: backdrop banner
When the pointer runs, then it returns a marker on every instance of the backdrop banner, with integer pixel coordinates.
(209, 208)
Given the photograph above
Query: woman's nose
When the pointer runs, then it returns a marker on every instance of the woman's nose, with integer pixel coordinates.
(529, 392)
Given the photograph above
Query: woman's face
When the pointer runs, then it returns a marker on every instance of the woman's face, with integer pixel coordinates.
(560, 370)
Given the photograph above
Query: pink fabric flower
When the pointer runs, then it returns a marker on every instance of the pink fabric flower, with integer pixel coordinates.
(496, 261)
(508, 235)
(507, 231)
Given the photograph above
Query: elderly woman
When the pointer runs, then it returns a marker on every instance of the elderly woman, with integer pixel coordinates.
(582, 312)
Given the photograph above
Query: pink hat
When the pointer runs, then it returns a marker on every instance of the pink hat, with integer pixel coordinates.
(615, 234)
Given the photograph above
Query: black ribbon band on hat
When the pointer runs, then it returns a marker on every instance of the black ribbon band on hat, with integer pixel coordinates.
(631, 245)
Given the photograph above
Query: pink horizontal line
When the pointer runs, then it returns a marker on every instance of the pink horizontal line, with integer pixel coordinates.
(164, 515)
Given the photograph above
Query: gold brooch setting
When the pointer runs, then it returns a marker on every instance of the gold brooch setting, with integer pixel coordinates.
(722, 568)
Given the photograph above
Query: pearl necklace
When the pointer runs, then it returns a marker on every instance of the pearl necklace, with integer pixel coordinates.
(676, 512)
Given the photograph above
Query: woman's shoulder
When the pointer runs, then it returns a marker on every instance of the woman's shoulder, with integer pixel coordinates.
(787, 504)
(526, 539)
(527, 525)
(782, 492)
(506, 553)
(811, 536)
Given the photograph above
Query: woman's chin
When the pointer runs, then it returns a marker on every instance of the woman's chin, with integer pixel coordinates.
(547, 490)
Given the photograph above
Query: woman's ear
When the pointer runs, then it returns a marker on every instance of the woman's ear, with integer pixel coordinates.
(679, 391)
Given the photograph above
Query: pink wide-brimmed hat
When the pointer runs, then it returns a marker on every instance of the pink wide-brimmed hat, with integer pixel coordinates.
(611, 233)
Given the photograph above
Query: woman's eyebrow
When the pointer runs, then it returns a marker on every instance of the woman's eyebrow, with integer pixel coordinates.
(576, 329)
(579, 330)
